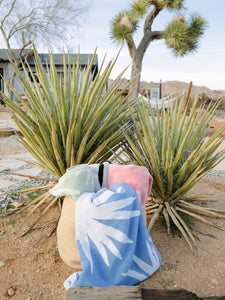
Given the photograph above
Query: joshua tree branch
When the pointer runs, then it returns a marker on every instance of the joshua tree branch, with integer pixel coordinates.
(157, 35)
(150, 19)
(132, 48)
(148, 37)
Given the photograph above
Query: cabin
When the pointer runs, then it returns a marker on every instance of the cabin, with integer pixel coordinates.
(6, 68)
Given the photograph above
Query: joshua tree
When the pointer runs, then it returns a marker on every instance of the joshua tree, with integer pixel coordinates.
(180, 35)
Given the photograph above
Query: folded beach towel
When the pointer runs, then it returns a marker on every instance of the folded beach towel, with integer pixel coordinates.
(77, 180)
(137, 177)
(114, 245)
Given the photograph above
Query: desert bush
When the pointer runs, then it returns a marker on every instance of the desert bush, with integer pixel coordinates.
(172, 145)
(67, 119)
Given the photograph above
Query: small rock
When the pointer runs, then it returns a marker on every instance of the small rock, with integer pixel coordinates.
(11, 292)
(214, 281)
(2, 263)
(16, 204)
(29, 298)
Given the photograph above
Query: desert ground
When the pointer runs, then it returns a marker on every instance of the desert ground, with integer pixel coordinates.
(31, 270)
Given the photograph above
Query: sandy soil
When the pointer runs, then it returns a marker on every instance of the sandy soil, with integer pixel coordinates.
(203, 274)
(4, 113)
(29, 271)
(37, 271)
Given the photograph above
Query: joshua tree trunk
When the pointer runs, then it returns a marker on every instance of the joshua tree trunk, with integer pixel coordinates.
(135, 76)
(137, 55)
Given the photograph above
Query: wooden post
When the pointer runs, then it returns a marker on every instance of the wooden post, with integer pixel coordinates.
(160, 89)
(187, 96)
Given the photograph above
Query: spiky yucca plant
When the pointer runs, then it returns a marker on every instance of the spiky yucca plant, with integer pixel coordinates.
(69, 119)
(172, 145)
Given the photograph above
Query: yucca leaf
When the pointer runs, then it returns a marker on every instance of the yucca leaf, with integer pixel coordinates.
(155, 217)
(167, 219)
(178, 224)
(196, 216)
(39, 201)
(186, 228)
(200, 210)
(54, 200)
(164, 137)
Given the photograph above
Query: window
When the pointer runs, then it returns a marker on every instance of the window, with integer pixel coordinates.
(155, 93)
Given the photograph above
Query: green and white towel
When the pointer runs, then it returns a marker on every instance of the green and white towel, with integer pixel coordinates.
(78, 180)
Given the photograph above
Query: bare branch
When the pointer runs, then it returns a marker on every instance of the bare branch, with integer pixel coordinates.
(14, 28)
(8, 14)
(51, 19)
(7, 43)
(21, 50)
(35, 13)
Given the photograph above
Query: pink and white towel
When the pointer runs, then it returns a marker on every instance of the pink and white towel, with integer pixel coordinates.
(137, 177)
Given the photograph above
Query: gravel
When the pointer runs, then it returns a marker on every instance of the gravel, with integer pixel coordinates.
(12, 146)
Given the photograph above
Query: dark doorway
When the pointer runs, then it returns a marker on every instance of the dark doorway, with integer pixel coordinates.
(1, 84)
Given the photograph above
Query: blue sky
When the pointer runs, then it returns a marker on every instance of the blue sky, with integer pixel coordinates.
(205, 67)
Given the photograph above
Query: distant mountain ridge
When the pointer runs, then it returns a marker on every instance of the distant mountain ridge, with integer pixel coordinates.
(169, 89)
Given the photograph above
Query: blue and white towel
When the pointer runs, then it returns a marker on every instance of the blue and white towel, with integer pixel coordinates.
(114, 245)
